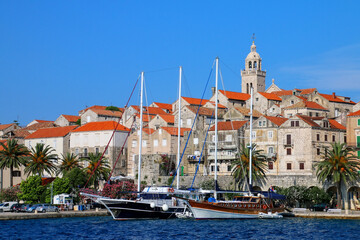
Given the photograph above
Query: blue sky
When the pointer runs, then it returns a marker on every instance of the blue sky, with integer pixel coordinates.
(57, 57)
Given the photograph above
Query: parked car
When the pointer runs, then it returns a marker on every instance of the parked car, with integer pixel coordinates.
(32, 208)
(25, 207)
(6, 207)
(319, 207)
(47, 208)
(16, 207)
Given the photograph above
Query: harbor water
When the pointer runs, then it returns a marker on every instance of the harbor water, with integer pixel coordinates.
(107, 228)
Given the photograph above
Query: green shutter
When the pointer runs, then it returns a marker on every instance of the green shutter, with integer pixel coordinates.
(359, 122)
(358, 141)
(359, 154)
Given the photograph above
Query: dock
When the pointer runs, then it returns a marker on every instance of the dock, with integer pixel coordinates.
(342, 214)
(62, 214)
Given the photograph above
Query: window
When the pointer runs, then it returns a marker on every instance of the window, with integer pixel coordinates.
(326, 138)
(123, 163)
(318, 151)
(260, 123)
(164, 142)
(156, 143)
(310, 114)
(337, 112)
(288, 139)
(297, 123)
(188, 122)
(96, 150)
(257, 99)
(345, 139)
(228, 138)
(271, 165)
(271, 150)
(196, 141)
(77, 151)
(85, 152)
(213, 138)
(294, 123)
(270, 134)
(316, 114)
(134, 143)
(301, 166)
(333, 138)
(16, 173)
(253, 135)
(144, 144)
(160, 131)
(250, 65)
(317, 137)
(288, 166)
(229, 168)
(288, 151)
(292, 102)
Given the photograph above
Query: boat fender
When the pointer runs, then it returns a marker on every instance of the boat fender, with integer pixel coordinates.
(264, 206)
(171, 190)
(152, 205)
(165, 207)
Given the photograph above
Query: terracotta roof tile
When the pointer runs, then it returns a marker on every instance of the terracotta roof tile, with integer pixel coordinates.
(204, 111)
(334, 98)
(271, 96)
(43, 121)
(148, 131)
(276, 120)
(51, 132)
(306, 91)
(93, 107)
(101, 126)
(4, 142)
(195, 101)
(334, 124)
(71, 118)
(235, 95)
(306, 104)
(150, 110)
(308, 120)
(283, 92)
(107, 113)
(21, 133)
(246, 112)
(164, 106)
(173, 131)
(5, 126)
(168, 118)
(146, 117)
(40, 125)
(357, 113)
(229, 125)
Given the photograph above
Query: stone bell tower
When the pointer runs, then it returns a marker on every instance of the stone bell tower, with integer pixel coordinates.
(252, 75)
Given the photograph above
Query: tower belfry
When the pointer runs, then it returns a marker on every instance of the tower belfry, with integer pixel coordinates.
(252, 76)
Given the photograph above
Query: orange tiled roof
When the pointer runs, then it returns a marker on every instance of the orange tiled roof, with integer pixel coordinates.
(71, 118)
(334, 98)
(110, 113)
(5, 126)
(4, 142)
(168, 118)
(229, 125)
(235, 95)
(307, 104)
(21, 133)
(357, 113)
(195, 101)
(283, 92)
(150, 110)
(173, 131)
(164, 106)
(204, 111)
(149, 131)
(334, 124)
(271, 96)
(146, 117)
(51, 132)
(308, 120)
(94, 107)
(302, 98)
(306, 91)
(43, 121)
(246, 112)
(101, 126)
(276, 120)
(40, 125)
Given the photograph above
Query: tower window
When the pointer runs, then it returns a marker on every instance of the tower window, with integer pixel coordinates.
(255, 65)
(250, 66)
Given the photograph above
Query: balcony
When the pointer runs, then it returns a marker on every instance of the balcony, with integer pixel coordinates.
(194, 159)
(271, 156)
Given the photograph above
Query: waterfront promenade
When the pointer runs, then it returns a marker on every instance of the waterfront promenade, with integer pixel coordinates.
(62, 214)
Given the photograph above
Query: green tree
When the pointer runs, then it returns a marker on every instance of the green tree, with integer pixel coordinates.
(59, 186)
(13, 155)
(41, 160)
(241, 166)
(78, 122)
(338, 166)
(32, 190)
(77, 177)
(112, 108)
(98, 170)
(69, 161)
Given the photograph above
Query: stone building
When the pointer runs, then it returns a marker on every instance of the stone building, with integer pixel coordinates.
(263, 101)
(353, 131)
(6, 128)
(94, 137)
(99, 115)
(66, 120)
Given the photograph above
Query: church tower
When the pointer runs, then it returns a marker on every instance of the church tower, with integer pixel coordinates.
(252, 75)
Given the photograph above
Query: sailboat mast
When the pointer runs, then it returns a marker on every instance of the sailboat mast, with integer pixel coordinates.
(179, 127)
(141, 126)
(250, 147)
(216, 122)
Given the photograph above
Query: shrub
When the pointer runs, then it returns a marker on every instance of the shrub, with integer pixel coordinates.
(10, 194)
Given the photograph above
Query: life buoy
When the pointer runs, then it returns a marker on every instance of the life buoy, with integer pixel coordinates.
(264, 206)
(171, 190)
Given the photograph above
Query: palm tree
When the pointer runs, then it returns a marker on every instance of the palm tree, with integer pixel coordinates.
(241, 165)
(98, 170)
(338, 166)
(13, 155)
(69, 161)
(41, 160)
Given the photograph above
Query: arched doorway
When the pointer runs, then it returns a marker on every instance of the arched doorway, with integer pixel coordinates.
(354, 198)
(333, 194)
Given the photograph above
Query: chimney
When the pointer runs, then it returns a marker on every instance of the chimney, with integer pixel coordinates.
(334, 96)
(213, 90)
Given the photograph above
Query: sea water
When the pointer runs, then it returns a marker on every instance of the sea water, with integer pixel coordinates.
(107, 228)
